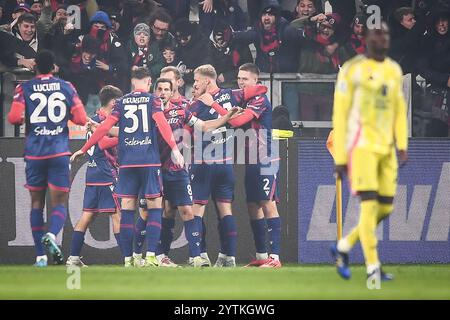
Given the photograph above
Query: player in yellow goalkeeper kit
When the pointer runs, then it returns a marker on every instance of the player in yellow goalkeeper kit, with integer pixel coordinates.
(370, 121)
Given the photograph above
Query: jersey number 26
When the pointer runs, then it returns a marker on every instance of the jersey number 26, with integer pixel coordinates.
(53, 102)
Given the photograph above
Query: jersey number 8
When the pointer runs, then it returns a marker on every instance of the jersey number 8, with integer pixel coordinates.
(55, 100)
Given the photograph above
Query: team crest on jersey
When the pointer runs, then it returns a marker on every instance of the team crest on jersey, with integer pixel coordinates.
(173, 113)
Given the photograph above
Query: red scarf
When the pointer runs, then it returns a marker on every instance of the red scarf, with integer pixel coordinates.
(270, 41)
(104, 39)
(359, 45)
(323, 56)
(140, 59)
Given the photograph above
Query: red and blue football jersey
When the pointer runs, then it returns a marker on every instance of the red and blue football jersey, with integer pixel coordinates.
(261, 108)
(228, 99)
(182, 101)
(178, 118)
(138, 137)
(102, 166)
(49, 104)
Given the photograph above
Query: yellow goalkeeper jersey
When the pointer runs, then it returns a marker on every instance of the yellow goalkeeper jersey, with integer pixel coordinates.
(369, 108)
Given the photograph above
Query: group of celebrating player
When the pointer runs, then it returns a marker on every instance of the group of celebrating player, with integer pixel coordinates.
(369, 120)
(133, 146)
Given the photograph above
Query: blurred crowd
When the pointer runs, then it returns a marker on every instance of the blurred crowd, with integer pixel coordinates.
(111, 38)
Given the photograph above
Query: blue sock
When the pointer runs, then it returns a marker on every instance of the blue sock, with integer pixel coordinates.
(193, 237)
(139, 234)
(57, 219)
(222, 237)
(167, 224)
(117, 236)
(77, 243)
(202, 228)
(37, 229)
(153, 231)
(126, 232)
(259, 234)
(274, 231)
(230, 231)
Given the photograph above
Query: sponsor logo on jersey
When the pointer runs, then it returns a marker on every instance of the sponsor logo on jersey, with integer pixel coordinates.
(135, 142)
(221, 140)
(172, 121)
(92, 164)
(43, 131)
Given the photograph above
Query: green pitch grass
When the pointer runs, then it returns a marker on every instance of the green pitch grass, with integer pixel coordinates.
(289, 282)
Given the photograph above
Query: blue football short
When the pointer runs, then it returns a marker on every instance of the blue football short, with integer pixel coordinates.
(177, 188)
(133, 180)
(99, 199)
(215, 180)
(53, 172)
(261, 183)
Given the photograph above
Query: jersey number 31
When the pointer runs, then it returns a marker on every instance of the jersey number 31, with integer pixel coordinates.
(130, 113)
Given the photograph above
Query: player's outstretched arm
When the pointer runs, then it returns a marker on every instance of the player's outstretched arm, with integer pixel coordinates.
(108, 142)
(236, 121)
(244, 95)
(101, 131)
(210, 125)
(167, 135)
(114, 131)
(75, 155)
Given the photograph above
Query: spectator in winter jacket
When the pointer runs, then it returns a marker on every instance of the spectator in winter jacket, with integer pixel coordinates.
(144, 51)
(117, 28)
(160, 25)
(19, 10)
(193, 49)
(111, 55)
(225, 10)
(356, 44)
(434, 66)
(60, 37)
(36, 7)
(304, 10)
(275, 41)
(226, 58)
(83, 71)
(27, 41)
(170, 56)
(407, 34)
(134, 12)
(326, 55)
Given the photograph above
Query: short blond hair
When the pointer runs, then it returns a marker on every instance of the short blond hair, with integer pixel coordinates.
(175, 71)
(206, 70)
